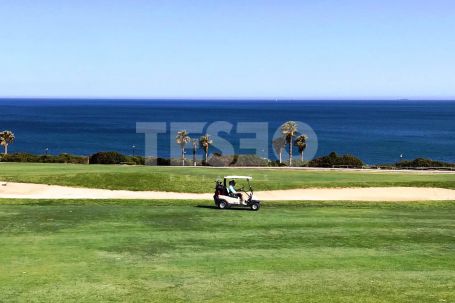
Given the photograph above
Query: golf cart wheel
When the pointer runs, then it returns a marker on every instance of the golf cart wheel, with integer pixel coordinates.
(255, 206)
(222, 204)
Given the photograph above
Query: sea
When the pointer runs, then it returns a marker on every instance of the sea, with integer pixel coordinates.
(377, 132)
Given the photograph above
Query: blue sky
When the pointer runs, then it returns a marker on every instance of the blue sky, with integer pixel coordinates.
(314, 49)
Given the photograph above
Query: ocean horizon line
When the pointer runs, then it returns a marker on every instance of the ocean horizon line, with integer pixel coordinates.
(221, 99)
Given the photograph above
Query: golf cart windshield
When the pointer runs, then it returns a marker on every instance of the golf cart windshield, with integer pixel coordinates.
(238, 177)
(240, 184)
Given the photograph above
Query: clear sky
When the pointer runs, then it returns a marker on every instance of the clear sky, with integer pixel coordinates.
(310, 49)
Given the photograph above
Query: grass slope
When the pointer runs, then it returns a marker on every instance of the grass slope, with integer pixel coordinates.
(164, 251)
(198, 180)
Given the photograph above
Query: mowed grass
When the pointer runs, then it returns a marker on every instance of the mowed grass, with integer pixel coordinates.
(199, 180)
(164, 251)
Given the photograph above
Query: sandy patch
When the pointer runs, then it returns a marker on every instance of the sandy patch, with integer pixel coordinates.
(42, 191)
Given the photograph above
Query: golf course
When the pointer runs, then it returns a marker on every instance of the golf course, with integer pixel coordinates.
(59, 250)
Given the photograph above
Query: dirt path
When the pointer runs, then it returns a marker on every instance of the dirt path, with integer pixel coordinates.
(41, 191)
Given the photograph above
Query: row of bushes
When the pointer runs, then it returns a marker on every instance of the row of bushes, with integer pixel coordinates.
(421, 162)
(331, 160)
(214, 160)
(237, 160)
(115, 158)
(62, 158)
(98, 158)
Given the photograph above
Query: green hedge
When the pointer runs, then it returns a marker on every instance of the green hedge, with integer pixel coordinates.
(421, 162)
(26, 157)
(115, 158)
(333, 160)
(107, 158)
(237, 160)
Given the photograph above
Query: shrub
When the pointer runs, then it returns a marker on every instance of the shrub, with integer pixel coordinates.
(98, 158)
(334, 160)
(135, 160)
(250, 160)
(421, 162)
(157, 161)
(67, 158)
(108, 158)
(276, 163)
(237, 160)
(298, 163)
(30, 158)
(19, 157)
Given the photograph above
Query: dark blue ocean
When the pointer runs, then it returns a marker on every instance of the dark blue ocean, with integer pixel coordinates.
(375, 131)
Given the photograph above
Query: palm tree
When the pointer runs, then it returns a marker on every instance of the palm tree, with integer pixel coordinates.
(279, 144)
(204, 142)
(300, 142)
(182, 139)
(288, 129)
(6, 137)
(195, 145)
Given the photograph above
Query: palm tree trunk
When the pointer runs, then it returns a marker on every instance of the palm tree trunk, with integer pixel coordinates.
(301, 156)
(290, 152)
(6, 149)
(183, 156)
(206, 155)
(194, 156)
(280, 155)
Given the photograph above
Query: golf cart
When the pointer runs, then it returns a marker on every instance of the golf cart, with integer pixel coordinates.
(224, 198)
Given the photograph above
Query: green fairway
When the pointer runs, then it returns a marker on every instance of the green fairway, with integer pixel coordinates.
(198, 180)
(164, 251)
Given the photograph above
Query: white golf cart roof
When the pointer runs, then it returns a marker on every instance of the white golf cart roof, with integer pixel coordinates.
(238, 177)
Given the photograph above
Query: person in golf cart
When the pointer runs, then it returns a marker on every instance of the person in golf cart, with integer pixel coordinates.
(232, 192)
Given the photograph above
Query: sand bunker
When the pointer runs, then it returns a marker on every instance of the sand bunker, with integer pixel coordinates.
(42, 191)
